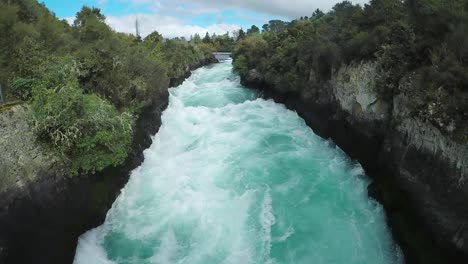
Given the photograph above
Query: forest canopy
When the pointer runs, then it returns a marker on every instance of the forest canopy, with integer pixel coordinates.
(86, 83)
(421, 41)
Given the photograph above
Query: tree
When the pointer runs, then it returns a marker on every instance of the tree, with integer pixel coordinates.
(196, 39)
(241, 34)
(207, 38)
(86, 14)
(317, 14)
(154, 38)
(275, 26)
(91, 25)
(253, 30)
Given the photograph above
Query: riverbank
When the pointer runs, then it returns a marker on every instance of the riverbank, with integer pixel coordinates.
(42, 216)
(418, 174)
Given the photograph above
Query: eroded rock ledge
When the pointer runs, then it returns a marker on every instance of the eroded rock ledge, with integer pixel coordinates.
(419, 172)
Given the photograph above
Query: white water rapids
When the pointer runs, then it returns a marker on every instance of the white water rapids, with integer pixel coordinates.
(231, 178)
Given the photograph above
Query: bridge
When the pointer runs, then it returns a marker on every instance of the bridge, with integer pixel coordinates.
(222, 56)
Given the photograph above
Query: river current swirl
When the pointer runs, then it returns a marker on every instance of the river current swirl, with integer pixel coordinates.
(232, 178)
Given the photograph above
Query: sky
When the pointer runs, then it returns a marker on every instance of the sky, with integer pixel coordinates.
(184, 18)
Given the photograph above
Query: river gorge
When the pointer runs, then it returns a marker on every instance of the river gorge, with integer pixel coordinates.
(233, 178)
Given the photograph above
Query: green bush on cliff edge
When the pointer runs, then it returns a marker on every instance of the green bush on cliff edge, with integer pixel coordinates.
(87, 130)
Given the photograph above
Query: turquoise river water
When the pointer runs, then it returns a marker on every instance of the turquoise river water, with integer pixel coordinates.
(232, 178)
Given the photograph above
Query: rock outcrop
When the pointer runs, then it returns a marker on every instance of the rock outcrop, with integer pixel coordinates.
(419, 172)
(43, 211)
(355, 90)
(21, 157)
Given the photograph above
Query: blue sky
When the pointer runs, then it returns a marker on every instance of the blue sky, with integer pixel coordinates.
(174, 18)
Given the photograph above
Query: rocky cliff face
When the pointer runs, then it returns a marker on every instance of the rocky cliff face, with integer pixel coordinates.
(43, 211)
(354, 89)
(419, 172)
(21, 157)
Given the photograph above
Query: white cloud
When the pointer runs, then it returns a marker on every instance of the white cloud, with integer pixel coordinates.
(168, 26)
(169, 17)
(281, 8)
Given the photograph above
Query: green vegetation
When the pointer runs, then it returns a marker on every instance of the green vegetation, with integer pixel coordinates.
(220, 43)
(421, 49)
(81, 126)
(86, 83)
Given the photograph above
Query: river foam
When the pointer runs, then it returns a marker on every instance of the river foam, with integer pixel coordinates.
(232, 178)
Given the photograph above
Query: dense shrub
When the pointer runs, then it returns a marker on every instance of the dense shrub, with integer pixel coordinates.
(86, 129)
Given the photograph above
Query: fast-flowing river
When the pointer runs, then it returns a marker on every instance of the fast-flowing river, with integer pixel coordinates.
(231, 178)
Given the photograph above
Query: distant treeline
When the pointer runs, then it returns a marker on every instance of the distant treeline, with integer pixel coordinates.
(85, 83)
(420, 46)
